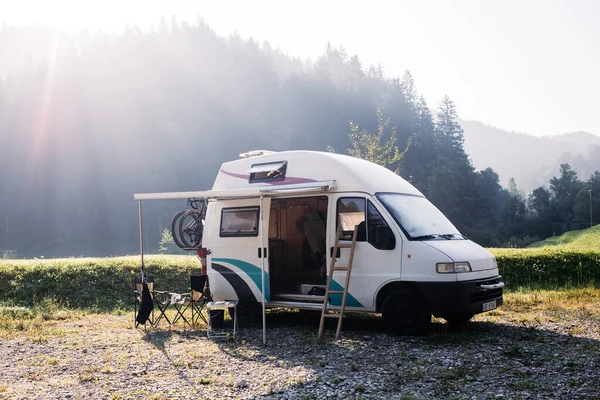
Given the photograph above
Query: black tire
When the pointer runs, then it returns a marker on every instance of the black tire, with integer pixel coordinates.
(217, 318)
(247, 313)
(406, 313)
(458, 319)
(175, 229)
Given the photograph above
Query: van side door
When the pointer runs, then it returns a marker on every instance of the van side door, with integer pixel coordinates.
(377, 255)
(236, 252)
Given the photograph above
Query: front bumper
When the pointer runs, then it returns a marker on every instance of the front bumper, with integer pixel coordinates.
(461, 298)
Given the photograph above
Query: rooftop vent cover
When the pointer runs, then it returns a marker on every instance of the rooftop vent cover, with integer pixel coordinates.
(273, 171)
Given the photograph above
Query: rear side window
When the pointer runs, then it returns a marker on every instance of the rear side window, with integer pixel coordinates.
(239, 222)
(274, 171)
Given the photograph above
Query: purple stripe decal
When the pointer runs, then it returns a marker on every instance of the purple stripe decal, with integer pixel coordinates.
(287, 181)
(241, 176)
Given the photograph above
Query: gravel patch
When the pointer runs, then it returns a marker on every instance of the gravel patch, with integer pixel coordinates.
(102, 356)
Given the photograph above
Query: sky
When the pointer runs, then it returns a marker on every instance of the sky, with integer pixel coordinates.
(526, 66)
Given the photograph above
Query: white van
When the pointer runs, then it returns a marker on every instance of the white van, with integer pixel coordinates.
(410, 261)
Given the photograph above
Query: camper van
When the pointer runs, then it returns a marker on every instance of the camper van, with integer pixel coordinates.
(272, 219)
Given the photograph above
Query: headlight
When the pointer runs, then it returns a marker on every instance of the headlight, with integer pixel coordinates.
(448, 268)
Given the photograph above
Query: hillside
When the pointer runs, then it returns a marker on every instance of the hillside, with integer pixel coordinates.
(586, 239)
(531, 160)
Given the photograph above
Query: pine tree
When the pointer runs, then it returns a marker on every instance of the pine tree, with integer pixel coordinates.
(448, 129)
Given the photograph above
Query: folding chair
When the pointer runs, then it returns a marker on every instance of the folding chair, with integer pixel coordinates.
(198, 297)
(181, 302)
(137, 298)
(162, 306)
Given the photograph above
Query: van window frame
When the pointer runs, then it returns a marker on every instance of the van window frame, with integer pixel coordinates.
(251, 177)
(239, 234)
(369, 202)
(337, 214)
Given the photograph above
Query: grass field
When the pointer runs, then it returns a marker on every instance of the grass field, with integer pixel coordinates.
(585, 240)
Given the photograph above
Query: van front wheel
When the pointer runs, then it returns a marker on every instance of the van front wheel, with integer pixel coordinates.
(406, 313)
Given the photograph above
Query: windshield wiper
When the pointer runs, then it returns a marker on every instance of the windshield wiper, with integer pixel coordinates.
(425, 237)
(451, 235)
(448, 236)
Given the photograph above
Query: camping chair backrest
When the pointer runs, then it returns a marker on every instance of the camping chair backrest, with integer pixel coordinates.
(138, 284)
(197, 284)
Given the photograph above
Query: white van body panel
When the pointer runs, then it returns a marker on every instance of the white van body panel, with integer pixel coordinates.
(351, 174)
(419, 263)
(483, 263)
(235, 266)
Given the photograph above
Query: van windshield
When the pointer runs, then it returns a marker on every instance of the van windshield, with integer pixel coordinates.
(419, 219)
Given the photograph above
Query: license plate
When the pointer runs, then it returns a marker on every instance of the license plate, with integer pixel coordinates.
(490, 305)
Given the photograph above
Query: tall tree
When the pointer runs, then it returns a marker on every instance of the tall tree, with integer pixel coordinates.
(448, 128)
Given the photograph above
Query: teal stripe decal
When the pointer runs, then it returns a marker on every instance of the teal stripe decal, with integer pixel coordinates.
(336, 299)
(252, 271)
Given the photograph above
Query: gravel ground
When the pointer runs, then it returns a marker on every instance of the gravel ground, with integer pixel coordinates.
(493, 357)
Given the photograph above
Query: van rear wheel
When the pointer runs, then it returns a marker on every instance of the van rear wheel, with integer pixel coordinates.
(406, 313)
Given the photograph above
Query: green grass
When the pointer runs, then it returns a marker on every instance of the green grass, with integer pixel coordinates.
(586, 239)
(95, 283)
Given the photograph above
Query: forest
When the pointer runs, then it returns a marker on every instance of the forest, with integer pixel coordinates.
(101, 116)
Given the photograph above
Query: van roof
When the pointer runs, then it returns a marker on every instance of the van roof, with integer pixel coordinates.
(351, 174)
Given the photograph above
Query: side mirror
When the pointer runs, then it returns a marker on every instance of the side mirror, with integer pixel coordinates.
(384, 238)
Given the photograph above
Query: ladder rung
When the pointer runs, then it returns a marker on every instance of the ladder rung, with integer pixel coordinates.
(333, 316)
(340, 268)
(336, 292)
(344, 246)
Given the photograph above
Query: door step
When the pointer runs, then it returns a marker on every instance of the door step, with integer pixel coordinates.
(299, 297)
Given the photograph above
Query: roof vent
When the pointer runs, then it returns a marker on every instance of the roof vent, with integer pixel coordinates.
(256, 153)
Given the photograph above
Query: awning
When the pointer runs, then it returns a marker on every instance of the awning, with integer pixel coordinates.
(270, 191)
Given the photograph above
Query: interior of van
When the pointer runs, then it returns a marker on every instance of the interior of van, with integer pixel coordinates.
(297, 244)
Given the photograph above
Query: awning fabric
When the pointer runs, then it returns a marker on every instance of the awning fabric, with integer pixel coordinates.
(270, 191)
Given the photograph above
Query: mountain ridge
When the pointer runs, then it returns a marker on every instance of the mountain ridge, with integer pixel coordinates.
(530, 160)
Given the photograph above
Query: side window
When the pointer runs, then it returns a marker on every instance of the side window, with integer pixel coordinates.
(351, 212)
(379, 233)
(239, 222)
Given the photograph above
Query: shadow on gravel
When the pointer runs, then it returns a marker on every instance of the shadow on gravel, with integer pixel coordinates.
(452, 361)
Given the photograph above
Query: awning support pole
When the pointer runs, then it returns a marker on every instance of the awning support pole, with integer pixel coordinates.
(141, 239)
(262, 265)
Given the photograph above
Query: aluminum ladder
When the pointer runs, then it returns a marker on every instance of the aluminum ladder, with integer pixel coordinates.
(338, 312)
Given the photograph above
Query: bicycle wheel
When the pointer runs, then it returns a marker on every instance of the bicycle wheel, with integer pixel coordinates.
(175, 229)
(191, 229)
